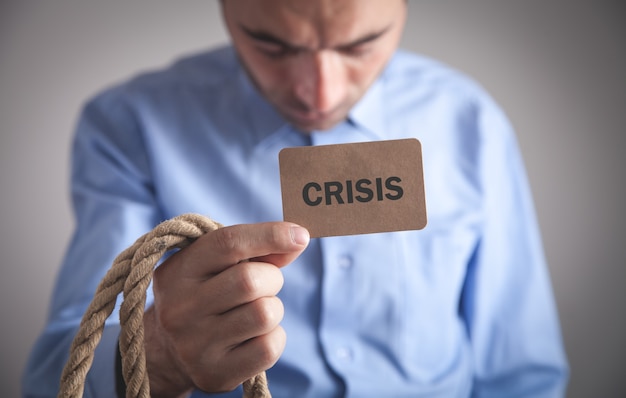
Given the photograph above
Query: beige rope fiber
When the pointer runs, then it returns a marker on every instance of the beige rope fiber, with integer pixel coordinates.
(131, 273)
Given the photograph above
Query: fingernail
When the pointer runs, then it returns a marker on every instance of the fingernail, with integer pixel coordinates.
(300, 235)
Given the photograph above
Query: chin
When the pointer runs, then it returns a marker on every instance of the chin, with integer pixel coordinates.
(321, 125)
(309, 128)
(307, 124)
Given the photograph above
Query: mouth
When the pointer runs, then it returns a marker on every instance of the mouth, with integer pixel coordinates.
(309, 116)
(311, 120)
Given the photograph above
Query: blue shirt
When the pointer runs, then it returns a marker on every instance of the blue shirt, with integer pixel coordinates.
(461, 308)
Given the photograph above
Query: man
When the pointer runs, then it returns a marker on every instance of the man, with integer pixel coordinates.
(461, 308)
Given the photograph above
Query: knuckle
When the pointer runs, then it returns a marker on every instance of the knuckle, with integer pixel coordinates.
(268, 313)
(279, 235)
(252, 280)
(279, 278)
(270, 351)
(226, 240)
(247, 280)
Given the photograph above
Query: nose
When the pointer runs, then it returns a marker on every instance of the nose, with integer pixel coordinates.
(321, 82)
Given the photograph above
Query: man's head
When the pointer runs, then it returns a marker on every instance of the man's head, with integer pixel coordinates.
(314, 59)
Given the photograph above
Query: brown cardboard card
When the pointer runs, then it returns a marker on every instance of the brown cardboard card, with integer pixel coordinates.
(356, 188)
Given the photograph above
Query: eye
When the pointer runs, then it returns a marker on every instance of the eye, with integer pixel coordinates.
(357, 50)
(275, 50)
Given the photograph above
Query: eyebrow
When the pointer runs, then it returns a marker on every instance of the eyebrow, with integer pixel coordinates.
(269, 38)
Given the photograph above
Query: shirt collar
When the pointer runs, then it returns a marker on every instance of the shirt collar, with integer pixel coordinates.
(367, 113)
(262, 117)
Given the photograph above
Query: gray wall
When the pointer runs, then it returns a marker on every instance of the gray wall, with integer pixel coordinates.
(556, 66)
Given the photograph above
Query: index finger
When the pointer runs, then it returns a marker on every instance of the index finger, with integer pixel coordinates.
(276, 242)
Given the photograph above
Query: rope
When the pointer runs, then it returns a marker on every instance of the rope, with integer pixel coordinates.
(131, 273)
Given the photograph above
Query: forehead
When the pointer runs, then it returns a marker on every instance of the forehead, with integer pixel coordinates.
(313, 23)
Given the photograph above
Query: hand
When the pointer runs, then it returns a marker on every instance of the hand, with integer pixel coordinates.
(215, 318)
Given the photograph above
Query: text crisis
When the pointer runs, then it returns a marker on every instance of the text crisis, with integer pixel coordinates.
(363, 190)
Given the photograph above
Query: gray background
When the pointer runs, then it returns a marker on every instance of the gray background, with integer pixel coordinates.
(556, 66)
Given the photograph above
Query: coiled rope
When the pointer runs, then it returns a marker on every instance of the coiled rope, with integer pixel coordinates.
(131, 273)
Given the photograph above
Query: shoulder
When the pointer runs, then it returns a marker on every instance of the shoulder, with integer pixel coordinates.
(206, 70)
(424, 76)
(433, 88)
(451, 108)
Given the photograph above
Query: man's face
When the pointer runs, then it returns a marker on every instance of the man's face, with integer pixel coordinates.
(314, 59)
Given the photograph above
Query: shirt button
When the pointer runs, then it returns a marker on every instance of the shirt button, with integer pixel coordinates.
(344, 354)
(344, 262)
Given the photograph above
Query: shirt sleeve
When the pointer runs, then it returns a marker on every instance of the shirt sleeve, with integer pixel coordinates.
(114, 205)
(507, 301)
